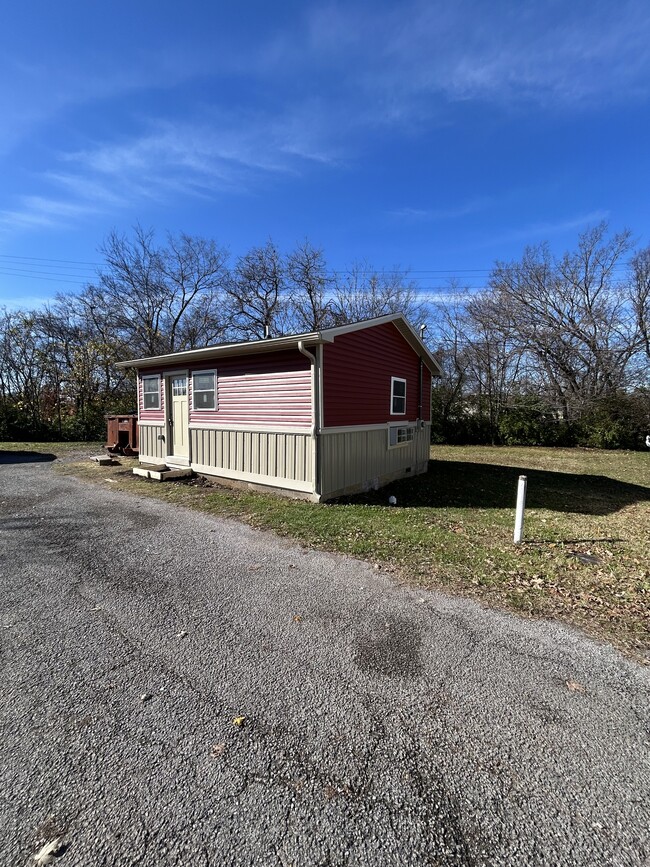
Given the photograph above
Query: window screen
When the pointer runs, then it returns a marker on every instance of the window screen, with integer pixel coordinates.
(398, 396)
(399, 435)
(204, 391)
(151, 392)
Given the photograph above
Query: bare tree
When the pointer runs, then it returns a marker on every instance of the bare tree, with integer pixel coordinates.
(257, 293)
(480, 362)
(640, 298)
(494, 358)
(365, 293)
(571, 315)
(451, 341)
(25, 370)
(195, 270)
(309, 285)
(160, 299)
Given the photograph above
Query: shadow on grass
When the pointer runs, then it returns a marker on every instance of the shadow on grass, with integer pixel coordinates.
(458, 484)
(9, 457)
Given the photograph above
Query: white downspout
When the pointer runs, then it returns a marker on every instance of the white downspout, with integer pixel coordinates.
(315, 415)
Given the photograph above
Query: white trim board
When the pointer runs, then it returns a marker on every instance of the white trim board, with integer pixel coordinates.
(251, 428)
(152, 459)
(271, 481)
(180, 461)
(354, 428)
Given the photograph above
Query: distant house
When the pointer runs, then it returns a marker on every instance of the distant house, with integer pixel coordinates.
(321, 414)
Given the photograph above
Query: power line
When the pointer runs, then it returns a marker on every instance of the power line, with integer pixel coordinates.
(53, 274)
(41, 259)
(458, 272)
(10, 267)
(41, 277)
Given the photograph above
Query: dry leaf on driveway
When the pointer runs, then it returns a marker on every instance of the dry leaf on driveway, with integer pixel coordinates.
(574, 686)
(47, 854)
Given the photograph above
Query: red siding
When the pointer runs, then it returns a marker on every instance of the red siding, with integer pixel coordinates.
(357, 371)
(267, 390)
(151, 414)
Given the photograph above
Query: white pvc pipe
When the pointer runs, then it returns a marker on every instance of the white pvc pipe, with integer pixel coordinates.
(521, 505)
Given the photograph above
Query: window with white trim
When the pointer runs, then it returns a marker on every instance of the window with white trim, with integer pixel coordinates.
(398, 436)
(204, 390)
(397, 396)
(151, 392)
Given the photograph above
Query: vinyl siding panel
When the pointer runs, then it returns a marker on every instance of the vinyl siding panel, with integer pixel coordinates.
(281, 459)
(267, 390)
(361, 460)
(357, 371)
(150, 445)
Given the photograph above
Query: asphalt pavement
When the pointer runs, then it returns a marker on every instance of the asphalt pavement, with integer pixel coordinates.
(181, 690)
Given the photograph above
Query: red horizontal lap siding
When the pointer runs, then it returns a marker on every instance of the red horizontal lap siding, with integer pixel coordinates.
(357, 371)
(151, 414)
(257, 390)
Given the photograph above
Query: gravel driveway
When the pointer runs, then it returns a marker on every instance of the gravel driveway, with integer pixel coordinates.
(383, 725)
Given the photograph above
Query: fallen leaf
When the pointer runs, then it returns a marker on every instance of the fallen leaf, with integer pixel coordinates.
(218, 750)
(589, 559)
(574, 686)
(297, 618)
(47, 854)
(239, 721)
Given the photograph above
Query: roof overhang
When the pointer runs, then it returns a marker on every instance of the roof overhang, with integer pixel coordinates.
(249, 347)
(276, 344)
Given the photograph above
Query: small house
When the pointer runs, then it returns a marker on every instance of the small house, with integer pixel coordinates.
(321, 414)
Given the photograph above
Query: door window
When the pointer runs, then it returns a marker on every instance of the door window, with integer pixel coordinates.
(179, 386)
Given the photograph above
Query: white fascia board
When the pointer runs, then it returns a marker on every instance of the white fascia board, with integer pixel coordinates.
(208, 353)
(275, 344)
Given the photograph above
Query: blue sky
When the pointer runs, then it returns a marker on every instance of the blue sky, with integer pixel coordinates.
(426, 135)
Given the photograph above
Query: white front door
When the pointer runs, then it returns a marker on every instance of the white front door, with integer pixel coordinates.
(178, 419)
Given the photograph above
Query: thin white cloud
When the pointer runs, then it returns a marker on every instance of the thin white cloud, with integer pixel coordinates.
(222, 153)
(396, 65)
(547, 52)
(42, 212)
(429, 215)
(168, 160)
(46, 88)
(536, 232)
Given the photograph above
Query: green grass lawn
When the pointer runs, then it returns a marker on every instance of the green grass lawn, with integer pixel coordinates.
(61, 450)
(585, 558)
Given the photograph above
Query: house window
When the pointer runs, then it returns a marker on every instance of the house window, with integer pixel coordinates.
(398, 436)
(204, 390)
(151, 392)
(397, 396)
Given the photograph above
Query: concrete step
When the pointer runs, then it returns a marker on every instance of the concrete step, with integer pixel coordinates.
(162, 474)
(104, 460)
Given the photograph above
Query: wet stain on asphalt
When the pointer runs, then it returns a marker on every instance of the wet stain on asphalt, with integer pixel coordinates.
(390, 647)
